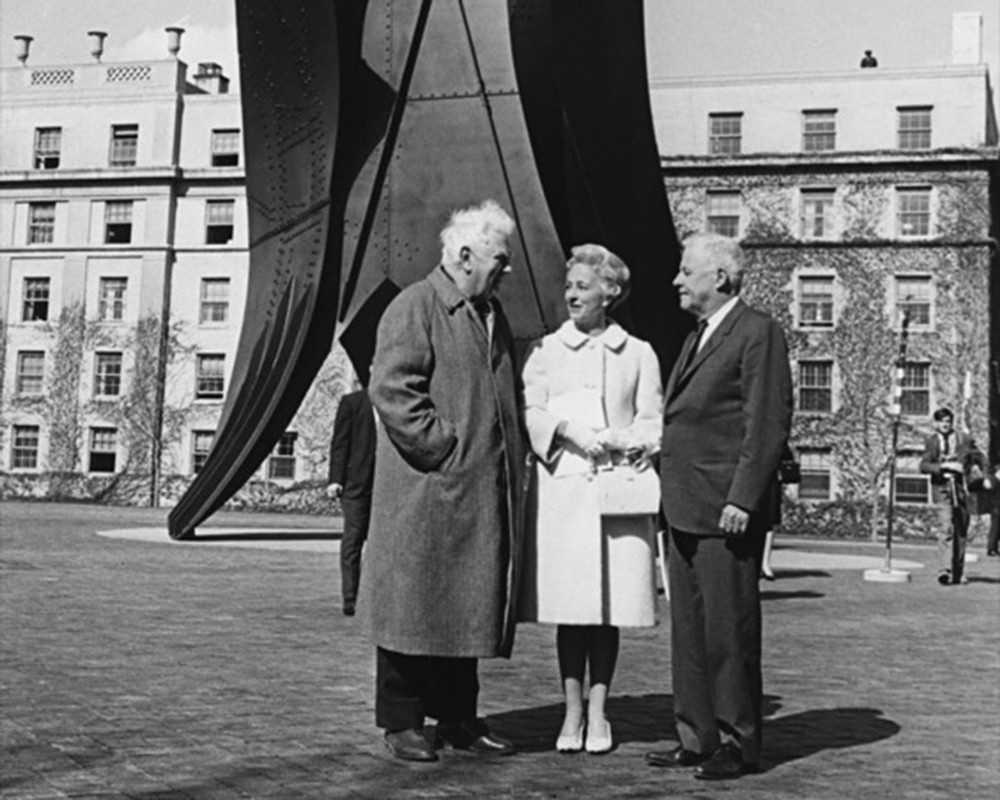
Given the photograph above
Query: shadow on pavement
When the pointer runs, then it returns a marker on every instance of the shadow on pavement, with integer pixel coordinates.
(802, 735)
(635, 718)
(981, 579)
(802, 594)
(800, 573)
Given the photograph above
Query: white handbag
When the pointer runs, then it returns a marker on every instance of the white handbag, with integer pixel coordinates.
(626, 491)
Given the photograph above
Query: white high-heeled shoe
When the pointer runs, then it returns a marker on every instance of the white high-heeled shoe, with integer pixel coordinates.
(599, 741)
(571, 742)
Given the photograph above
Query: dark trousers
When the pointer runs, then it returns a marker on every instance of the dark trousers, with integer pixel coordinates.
(357, 512)
(993, 538)
(409, 688)
(716, 641)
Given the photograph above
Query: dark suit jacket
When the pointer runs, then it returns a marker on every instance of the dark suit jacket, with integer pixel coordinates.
(962, 449)
(352, 450)
(725, 423)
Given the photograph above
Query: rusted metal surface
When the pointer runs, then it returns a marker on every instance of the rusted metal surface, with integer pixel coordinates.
(367, 122)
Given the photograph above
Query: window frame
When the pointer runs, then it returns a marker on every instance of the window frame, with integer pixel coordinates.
(123, 150)
(39, 305)
(282, 458)
(899, 303)
(821, 302)
(923, 390)
(29, 380)
(908, 498)
(200, 455)
(111, 301)
(717, 203)
(910, 133)
(919, 217)
(206, 380)
(107, 438)
(213, 310)
(222, 156)
(220, 232)
(109, 373)
(810, 200)
(20, 449)
(41, 230)
(723, 142)
(815, 463)
(823, 392)
(814, 132)
(119, 218)
(46, 155)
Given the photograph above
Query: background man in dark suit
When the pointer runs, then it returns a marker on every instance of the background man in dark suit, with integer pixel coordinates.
(352, 466)
(727, 413)
(945, 455)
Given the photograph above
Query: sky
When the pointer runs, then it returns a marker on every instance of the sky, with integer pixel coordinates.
(684, 37)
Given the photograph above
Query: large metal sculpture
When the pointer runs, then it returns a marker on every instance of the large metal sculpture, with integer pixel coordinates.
(367, 121)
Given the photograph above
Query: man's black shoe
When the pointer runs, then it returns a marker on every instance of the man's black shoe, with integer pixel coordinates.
(348, 609)
(676, 758)
(410, 745)
(726, 763)
(474, 736)
(993, 553)
(944, 578)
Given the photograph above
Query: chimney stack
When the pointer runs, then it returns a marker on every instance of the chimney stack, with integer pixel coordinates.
(967, 38)
(97, 44)
(210, 79)
(174, 40)
(23, 47)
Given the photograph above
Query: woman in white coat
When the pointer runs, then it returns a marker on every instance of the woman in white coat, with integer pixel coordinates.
(592, 398)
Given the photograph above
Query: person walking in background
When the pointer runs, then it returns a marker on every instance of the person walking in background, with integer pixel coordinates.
(352, 469)
(593, 400)
(444, 548)
(788, 474)
(727, 414)
(946, 452)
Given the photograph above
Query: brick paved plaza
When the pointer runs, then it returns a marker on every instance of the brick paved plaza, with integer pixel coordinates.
(140, 668)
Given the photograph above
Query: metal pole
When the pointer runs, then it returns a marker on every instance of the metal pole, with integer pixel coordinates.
(897, 414)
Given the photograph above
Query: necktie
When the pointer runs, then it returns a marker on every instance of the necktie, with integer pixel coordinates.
(694, 342)
(946, 449)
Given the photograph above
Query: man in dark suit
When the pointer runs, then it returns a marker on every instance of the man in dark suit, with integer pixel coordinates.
(352, 467)
(727, 413)
(946, 452)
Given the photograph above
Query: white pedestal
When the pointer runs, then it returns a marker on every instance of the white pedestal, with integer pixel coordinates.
(883, 575)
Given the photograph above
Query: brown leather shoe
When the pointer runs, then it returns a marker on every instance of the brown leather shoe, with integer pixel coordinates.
(726, 763)
(410, 745)
(676, 758)
(474, 736)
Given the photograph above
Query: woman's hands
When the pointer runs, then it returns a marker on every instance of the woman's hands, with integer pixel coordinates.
(585, 439)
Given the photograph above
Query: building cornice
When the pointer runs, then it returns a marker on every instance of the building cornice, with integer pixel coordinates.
(92, 178)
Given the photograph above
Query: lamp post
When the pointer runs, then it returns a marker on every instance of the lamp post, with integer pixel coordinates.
(886, 574)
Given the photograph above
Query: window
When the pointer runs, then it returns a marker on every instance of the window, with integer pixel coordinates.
(816, 474)
(913, 298)
(816, 386)
(111, 299)
(210, 377)
(915, 396)
(912, 489)
(913, 127)
(30, 372)
(816, 301)
(41, 223)
(103, 444)
(118, 222)
(201, 443)
(36, 300)
(124, 144)
(281, 464)
(214, 300)
(913, 211)
(48, 143)
(226, 148)
(724, 213)
(817, 213)
(24, 449)
(725, 134)
(108, 375)
(219, 221)
(819, 131)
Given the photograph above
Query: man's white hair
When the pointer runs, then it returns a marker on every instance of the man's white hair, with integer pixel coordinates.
(474, 226)
(724, 252)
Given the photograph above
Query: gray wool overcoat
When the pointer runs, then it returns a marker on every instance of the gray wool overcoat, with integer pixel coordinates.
(444, 550)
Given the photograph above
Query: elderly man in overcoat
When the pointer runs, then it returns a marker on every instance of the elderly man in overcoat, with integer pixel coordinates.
(727, 413)
(444, 545)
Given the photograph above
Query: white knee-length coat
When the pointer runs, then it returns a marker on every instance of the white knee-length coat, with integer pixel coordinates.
(581, 568)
